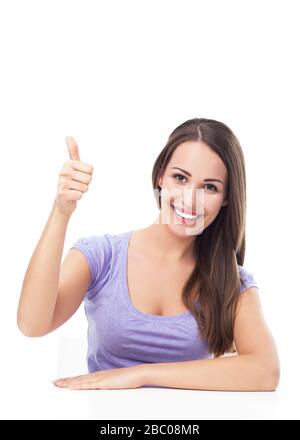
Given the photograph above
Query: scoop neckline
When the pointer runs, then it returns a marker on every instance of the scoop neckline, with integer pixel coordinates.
(127, 298)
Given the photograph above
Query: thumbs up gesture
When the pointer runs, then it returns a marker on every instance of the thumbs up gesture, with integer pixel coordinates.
(72, 148)
(74, 179)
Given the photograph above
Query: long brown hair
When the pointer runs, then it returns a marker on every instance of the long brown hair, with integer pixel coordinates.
(221, 246)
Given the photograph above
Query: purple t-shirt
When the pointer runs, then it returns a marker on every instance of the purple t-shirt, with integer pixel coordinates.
(119, 335)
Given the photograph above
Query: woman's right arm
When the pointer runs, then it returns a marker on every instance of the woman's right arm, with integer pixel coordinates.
(44, 276)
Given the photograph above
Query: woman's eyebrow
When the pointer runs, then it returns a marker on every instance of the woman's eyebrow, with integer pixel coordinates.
(205, 180)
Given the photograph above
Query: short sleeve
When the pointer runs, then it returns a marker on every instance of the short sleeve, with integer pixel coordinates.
(247, 279)
(98, 252)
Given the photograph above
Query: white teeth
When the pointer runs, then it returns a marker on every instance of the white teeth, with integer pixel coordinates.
(184, 215)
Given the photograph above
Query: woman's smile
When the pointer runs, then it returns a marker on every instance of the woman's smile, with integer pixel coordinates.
(184, 217)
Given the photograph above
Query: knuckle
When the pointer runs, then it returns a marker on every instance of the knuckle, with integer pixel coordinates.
(90, 168)
(62, 172)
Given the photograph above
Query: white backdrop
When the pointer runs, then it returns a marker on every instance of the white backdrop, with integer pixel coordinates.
(119, 76)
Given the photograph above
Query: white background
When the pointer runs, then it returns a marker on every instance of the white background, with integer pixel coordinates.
(119, 76)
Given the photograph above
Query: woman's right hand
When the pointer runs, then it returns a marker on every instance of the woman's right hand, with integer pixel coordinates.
(74, 179)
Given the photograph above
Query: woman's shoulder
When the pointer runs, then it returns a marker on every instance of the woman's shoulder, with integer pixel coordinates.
(247, 278)
(110, 243)
(116, 239)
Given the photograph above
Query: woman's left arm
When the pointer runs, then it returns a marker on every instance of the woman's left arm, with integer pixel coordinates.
(256, 367)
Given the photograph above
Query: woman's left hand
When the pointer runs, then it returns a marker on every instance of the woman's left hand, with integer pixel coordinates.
(114, 379)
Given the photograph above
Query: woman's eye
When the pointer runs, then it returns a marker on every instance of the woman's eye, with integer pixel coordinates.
(213, 187)
(178, 175)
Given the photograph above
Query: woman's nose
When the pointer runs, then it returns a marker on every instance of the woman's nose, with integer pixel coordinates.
(193, 198)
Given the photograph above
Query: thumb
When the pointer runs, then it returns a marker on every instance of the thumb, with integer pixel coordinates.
(72, 148)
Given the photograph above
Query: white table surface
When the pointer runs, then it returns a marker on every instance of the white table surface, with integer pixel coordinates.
(42, 400)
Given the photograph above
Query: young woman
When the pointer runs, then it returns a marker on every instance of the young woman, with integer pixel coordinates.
(169, 304)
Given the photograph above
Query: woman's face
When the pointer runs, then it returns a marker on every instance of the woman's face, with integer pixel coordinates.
(188, 184)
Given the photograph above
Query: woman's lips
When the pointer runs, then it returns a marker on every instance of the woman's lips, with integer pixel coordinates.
(184, 211)
(183, 220)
